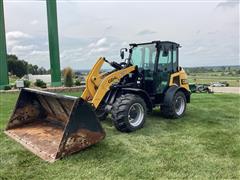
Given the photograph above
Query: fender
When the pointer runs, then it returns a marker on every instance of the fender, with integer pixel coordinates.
(169, 94)
(114, 93)
(142, 94)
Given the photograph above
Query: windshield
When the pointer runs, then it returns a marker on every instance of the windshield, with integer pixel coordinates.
(144, 56)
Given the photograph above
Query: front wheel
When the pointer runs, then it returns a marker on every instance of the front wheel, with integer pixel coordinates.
(176, 108)
(128, 113)
(101, 113)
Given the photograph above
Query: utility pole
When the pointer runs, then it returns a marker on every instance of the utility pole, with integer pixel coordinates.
(53, 42)
(3, 50)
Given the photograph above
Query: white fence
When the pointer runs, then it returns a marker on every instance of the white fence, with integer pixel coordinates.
(46, 78)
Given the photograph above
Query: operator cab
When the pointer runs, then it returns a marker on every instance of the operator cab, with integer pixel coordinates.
(156, 61)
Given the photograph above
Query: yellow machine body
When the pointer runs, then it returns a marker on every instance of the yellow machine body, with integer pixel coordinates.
(98, 84)
(182, 81)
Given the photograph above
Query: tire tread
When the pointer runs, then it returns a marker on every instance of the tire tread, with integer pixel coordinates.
(119, 110)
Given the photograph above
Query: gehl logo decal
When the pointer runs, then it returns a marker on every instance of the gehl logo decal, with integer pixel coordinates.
(184, 81)
(112, 79)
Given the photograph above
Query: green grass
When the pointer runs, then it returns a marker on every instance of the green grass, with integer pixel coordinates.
(12, 79)
(205, 144)
(206, 78)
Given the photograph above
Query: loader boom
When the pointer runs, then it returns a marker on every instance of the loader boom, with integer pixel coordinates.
(97, 83)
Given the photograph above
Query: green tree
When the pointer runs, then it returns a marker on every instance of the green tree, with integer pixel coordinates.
(35, 69)
(17, 67)
(20, 67)
(30, 69)
(42, 70)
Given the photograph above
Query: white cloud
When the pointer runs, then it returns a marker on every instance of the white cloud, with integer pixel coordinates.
(37, 52)
(195, 51)
(108, 28)
(98, 27)
(112, 44)
(229, 4)
(11, 43)
(39, 57)
(90, 51)
(101, 42)
(71, 52)
(101, 49)
(146, 32)
(98, 43)
(91, 45)
(13, 35)
(124, 44)
(19, 49)
(34, 22)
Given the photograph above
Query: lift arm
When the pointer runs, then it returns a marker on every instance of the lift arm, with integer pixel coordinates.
(98, 84)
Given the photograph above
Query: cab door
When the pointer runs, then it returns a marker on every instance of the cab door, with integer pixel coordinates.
(149, 69)
(166, 65)
(144, 57)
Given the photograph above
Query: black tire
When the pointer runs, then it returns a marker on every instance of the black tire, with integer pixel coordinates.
(170, 109)
(101, 113)
(122, 109)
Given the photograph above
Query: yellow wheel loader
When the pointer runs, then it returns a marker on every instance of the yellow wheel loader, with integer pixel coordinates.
(52, 125)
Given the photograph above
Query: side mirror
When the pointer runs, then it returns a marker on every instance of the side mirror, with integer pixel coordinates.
(122, 52)
(179, 68)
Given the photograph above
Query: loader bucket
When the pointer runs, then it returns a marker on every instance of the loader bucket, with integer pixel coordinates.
(52, 126)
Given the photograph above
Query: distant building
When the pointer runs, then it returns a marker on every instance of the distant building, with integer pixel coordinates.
(46, 78)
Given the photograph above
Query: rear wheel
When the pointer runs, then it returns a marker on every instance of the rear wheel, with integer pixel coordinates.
(129, 113)
(176, 108)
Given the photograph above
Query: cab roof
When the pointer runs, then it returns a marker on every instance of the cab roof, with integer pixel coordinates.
(156, 42)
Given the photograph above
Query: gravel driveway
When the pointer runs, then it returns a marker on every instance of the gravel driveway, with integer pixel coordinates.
(235, 90)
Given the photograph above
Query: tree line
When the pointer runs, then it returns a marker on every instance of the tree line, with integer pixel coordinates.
(20, 67)
(211, 69)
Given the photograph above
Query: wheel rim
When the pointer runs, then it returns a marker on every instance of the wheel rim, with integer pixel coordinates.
(135, 114)
(179, 105)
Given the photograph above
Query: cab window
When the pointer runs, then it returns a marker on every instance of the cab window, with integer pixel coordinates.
(144, 56)
(175, 59)
(137, 57)
(165, 60)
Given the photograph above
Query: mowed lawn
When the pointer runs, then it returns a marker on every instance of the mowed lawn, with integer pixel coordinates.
(203, 144)
(207, 78)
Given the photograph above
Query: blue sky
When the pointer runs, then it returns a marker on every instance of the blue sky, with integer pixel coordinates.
(208, 31)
